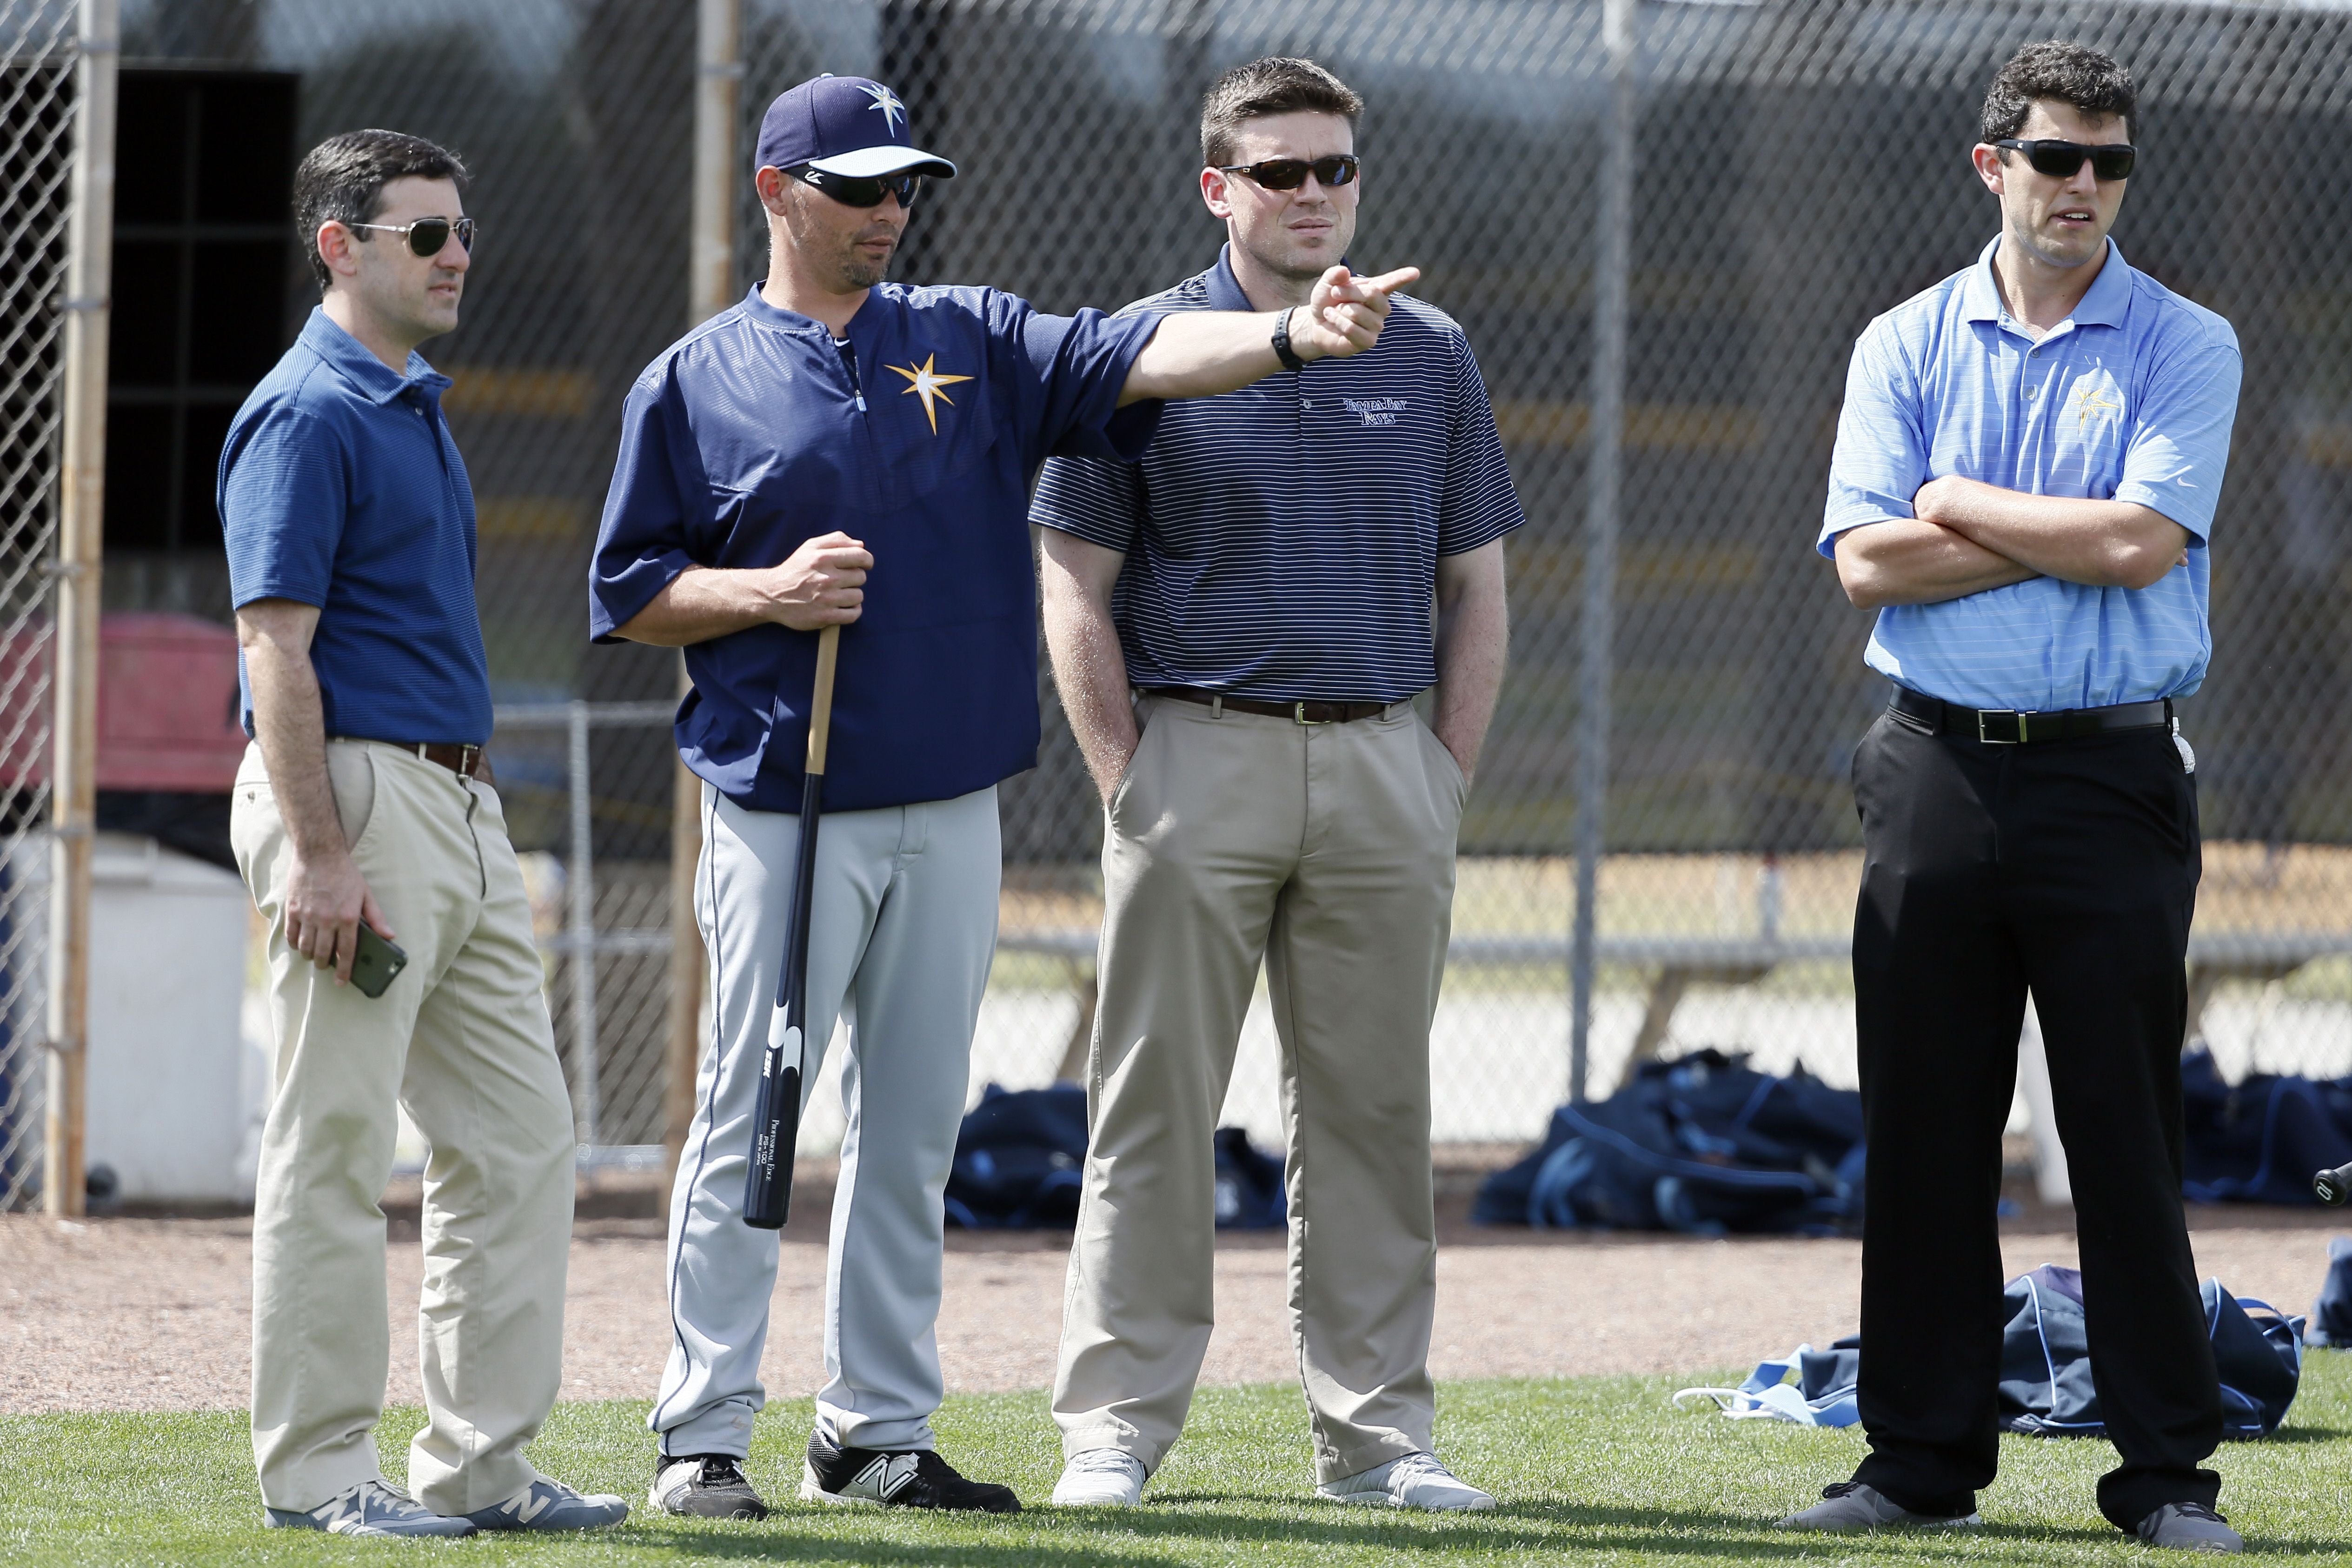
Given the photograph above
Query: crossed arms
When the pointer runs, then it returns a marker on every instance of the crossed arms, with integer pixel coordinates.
(1966, 536)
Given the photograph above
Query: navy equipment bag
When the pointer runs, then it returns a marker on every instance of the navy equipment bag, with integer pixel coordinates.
(2258, 1142)
(2045, 1361)
(1020, 1153)
(1705, 1144)
(2331, 1315)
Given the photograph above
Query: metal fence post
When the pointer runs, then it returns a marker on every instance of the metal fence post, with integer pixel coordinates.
(580, 882)
(73, 802)
(1604, 438)
(711, 289)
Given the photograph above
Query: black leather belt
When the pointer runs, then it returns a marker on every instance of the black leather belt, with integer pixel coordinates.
(1296, 713)
(2007, 727)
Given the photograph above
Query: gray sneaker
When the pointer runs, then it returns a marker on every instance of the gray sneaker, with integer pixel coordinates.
(547, 1504)
(2189, 1527)
(376, 1511)
(1849, 1505)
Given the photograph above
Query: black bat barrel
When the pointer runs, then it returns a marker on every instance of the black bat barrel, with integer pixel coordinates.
(776, 1121)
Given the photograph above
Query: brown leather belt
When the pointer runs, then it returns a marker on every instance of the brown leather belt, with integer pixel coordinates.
(1296, 713)
(466, 762)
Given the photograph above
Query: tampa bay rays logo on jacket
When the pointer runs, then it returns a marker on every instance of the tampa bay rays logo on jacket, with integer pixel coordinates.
(927, 384)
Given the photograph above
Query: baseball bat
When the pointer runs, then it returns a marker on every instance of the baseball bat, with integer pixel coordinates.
(775, 1126)
(2333, 1186)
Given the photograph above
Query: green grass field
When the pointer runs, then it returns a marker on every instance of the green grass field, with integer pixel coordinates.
(1590, 1470)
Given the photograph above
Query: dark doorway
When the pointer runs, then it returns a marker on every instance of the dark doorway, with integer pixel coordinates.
(202, 255)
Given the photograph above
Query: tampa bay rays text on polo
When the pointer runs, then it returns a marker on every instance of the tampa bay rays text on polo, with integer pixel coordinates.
(917, 435)
(2129, 399)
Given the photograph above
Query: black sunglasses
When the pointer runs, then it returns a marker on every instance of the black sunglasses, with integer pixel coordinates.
(1289, 173)
(2059, 160)
(866, 192)
(426, 236)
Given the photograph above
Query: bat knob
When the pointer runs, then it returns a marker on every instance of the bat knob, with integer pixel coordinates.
(2333, 1186)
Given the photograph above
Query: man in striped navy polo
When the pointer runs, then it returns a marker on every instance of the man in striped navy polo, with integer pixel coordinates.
(2023, 488)
(1238, 622)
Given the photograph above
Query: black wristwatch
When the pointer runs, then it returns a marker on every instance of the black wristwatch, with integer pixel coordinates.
(1282, 349)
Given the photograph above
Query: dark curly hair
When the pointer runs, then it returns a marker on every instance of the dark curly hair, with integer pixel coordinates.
(342, 179)
(2055, 69)
(1276, 85)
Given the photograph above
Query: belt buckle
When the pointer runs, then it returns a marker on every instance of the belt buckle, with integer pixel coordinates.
(2009, 713)
(1299, 715)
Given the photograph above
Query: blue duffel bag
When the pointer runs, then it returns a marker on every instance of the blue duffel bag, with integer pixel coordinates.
(2045, 1361)
(2331, 1316)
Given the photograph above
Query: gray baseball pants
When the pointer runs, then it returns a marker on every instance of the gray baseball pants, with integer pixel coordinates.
(900, 942)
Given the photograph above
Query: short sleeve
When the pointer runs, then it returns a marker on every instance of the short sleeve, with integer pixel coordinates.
(1099, 500)
(285, 492)
(1881, 456)
(1478, 505)
(1072, 370)
(643, 540)
(2180, 441)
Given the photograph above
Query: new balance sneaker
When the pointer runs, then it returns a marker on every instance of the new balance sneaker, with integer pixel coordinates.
(2189, 1527)
(1416, 1480)
(1849, 1505)
(704, 1485)
(898, 1478)
(1101, 1477)
(372, 1510)
(548, 1504)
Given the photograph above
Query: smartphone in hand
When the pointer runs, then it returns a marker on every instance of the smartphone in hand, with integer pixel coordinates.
(376, 962)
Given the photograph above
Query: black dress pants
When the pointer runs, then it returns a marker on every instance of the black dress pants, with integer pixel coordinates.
(2067, 868)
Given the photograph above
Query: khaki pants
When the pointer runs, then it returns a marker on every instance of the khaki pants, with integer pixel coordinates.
(461, 1039)
(1328, 850)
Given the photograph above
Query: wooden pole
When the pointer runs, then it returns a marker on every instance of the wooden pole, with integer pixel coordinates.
(711, 289)
(73, 800)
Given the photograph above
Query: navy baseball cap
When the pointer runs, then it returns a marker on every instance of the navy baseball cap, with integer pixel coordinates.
(845, 125)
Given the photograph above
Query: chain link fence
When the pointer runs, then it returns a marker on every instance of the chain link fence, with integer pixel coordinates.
(1797, 166)
(36, 135)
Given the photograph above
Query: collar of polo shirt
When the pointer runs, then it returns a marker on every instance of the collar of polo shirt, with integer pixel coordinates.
(2105, 303)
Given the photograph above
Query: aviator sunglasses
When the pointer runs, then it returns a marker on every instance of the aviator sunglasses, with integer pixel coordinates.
(1289, 173)
(2059, 160)
(866, 192)
(426, 236)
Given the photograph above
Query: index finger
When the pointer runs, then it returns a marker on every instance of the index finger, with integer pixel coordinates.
(347, 947)
(1388, 281)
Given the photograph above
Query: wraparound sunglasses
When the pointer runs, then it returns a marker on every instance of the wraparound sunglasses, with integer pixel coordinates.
(2059, 160)
(866, 192)
(1289, 173)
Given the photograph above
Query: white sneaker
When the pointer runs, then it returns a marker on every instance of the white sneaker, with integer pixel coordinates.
(1101, 1477)
(1417, 1480)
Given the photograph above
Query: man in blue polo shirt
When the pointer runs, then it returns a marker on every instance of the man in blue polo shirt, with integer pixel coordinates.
(836, 450)
(365, 801)
(1238, 624)
(2024, 485)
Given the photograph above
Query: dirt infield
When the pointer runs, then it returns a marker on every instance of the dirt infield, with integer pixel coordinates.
(150, 1314)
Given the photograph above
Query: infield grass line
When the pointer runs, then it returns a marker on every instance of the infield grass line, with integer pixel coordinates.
(1588, 1470)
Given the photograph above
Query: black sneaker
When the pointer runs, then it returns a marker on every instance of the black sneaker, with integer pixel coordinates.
(899, 1477)
(704, 1486)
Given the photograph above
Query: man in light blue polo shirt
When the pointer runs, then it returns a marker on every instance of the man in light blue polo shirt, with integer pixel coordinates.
(1239, 621)
(2024, 485)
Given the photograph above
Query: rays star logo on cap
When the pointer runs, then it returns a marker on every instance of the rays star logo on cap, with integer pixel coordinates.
(887, 101)
(828, 124)
(925, 382)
